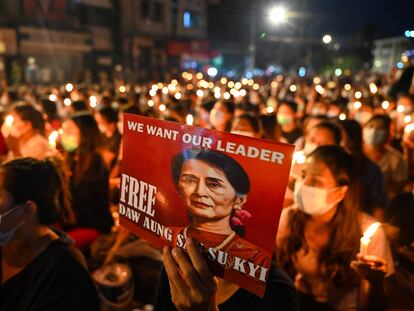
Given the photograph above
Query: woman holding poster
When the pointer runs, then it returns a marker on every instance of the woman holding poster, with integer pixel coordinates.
(214, 188)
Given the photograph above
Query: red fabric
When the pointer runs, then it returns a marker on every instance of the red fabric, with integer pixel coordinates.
(84, 237)
(3, 146)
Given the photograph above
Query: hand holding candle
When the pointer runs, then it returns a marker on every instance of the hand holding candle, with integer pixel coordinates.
(52, 139)
(366, 238)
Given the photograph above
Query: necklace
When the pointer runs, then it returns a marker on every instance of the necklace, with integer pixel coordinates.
(222, 244)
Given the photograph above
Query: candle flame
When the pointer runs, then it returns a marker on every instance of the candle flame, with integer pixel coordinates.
(189, 119)
(371, 230)
(52, 138)
(9, 120)
(299, 157)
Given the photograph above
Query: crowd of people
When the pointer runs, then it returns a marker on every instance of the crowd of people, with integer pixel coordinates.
(353, 166)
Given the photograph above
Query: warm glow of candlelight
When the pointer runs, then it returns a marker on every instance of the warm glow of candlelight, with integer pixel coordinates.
(366, 238)
(52, 138)
(9, 120)
(299, 157)
(189, 119)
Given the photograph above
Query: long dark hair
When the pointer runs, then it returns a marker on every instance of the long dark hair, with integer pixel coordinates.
(28, 113)
(233, 171)
(43, 182)
(334, 259)
(90, 143)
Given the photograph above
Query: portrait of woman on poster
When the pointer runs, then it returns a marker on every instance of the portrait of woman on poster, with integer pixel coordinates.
(214, 188)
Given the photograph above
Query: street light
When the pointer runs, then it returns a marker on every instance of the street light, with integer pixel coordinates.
(278, 15)
(327, 39)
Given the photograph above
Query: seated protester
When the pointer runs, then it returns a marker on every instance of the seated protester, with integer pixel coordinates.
(25, 136)
(334, 110)
(323, 134)
(286, 117)
(78, 106)
(221, 116)
(41, 269)
(400, 230)
(203, 291)
(373, 195)
(203, 114)
(81, 141)
(270, 127)
(246, 125)
(408, 143)
(49, 110)
(376, 134)
(107, 119)
(319, 237)
(320, 108)
(308, 124)
(364, 114)
(246, 108)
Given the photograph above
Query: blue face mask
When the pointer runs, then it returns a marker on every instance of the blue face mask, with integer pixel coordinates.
(6, 236)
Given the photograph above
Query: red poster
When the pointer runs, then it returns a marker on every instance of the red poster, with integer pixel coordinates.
(223, 190)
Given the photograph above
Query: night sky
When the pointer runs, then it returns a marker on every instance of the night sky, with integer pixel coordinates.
(341, 18)
(392, 17)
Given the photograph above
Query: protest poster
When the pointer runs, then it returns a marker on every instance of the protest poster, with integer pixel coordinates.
(226, 191)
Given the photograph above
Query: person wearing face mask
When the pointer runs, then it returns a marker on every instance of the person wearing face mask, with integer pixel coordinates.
(324, 133)
(107, 120)
(246, 125)
(41, 269)
(308, 124)
(364, 114)
(376, 135)
(319, 237)
(286, 117)
(374, 197)
(320, 109)
(203, 114)
(221, 116)
(25, 135)
(82, 143)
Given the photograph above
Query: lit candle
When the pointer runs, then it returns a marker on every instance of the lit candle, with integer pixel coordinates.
(189, 119)
(299, 157)
(52, 138)
(366, 238)
(9, 120)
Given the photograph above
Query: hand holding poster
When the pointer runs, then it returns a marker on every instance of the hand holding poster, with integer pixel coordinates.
(224, 191)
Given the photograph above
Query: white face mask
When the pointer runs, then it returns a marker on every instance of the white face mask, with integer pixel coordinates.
(244, 133)
(313, 200)
(309, 148)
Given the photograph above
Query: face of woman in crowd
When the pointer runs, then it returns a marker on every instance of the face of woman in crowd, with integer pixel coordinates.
(243, 127)
(19, 127)
(71, 135)
(219, 116)
(317, 174)
(206, 191)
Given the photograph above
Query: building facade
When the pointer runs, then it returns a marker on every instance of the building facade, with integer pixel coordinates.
(392, 52)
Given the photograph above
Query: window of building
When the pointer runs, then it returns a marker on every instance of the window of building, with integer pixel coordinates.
(187, 19)
(158, 12)
(145, 9)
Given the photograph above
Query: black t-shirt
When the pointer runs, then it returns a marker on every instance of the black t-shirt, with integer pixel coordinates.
(292, 136)
(280, 294)
(55, 280)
